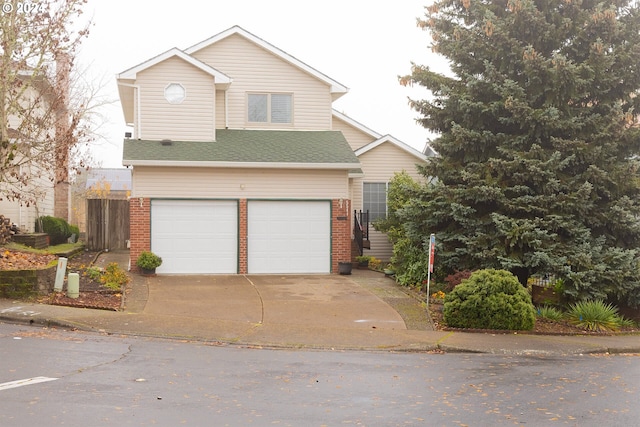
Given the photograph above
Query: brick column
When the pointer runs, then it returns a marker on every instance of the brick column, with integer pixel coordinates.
(140, 228)
(242, 237)
(340, 232)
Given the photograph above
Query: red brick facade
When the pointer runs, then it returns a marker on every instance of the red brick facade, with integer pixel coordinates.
(140, 223)
(242, 230)
(340, 232)
(140, 228)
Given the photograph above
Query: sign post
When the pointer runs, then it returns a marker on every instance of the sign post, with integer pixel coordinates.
(432, 253)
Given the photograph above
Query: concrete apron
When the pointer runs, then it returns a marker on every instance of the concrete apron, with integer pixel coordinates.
(233, 307)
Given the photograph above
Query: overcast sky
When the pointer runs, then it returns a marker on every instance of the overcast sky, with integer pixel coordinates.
(363, 44)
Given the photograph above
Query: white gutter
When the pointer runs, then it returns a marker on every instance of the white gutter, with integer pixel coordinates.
(242, 165)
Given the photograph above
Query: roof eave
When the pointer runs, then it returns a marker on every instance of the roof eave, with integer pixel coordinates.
(241, 165)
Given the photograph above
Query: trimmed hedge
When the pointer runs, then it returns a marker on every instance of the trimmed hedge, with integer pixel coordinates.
(58, 229)
(490, 299)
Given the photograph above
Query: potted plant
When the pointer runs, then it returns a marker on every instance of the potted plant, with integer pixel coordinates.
(363, 261)
(344, 267)
(148, 262)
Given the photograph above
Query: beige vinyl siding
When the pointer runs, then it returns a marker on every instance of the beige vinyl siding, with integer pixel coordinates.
(379, 165)
(355, 137)
(221, 110)
(25, 216)
(253, 69)
(191, 120)
(237, 183)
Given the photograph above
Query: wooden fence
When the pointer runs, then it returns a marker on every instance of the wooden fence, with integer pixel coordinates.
(107, 224)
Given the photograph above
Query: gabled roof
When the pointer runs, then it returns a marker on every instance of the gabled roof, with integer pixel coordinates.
(220, 78)
(381, 139)
(126, 78)
(248, 149)
(337, 89)
(390, 139)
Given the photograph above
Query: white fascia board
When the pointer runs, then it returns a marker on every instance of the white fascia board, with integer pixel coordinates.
(336, 88)
(241, 165)
(356, 124)
(394, 141)
(220, 78)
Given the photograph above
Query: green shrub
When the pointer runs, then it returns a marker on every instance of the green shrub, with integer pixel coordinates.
(550, 312)
(148, 260)
(58, 229)
(490, 299)
(74, 229)
(596, 315)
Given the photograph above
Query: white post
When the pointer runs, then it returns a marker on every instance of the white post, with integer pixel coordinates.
(432, 252)
(62, 268)
(73, 285)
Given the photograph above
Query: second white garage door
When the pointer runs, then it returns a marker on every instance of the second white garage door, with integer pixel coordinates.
(195, 236)
(289, 236)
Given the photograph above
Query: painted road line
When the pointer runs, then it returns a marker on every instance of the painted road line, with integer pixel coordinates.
(28, 381)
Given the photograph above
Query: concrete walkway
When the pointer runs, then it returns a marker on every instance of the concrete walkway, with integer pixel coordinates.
(363, 311)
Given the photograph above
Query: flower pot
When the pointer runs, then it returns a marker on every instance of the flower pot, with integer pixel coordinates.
(148, 272)
(344, 268)
(363, 265)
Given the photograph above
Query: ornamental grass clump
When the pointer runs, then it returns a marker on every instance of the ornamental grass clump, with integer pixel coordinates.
(595, 315)
(490, 299)
(550, 313)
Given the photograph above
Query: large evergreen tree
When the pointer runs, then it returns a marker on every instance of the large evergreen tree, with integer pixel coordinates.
(537, 169)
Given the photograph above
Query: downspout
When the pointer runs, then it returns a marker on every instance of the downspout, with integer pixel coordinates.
(226, 109)
(137, 127)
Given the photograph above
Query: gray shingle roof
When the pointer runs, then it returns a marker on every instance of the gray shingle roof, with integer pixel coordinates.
(259, 147)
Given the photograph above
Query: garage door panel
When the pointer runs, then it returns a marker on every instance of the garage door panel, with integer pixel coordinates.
(289, 237)
(195, 236)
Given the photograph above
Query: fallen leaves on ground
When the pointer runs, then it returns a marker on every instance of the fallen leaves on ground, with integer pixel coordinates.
(92, 293)
(18, 260)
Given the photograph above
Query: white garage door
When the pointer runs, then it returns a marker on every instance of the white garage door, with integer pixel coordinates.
(289, 236)
(195, 236)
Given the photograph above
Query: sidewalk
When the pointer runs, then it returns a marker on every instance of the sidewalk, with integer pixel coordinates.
(365, 311)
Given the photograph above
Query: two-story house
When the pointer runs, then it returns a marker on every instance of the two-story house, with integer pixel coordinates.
(241, 165)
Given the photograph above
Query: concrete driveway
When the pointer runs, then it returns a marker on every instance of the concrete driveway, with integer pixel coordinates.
(307, 301)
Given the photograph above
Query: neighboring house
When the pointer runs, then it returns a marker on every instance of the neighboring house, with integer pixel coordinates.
(25, 214)
(97, 183)
(38, 194)
(241, 165)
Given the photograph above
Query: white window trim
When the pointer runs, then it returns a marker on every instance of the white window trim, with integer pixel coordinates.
(269, 122)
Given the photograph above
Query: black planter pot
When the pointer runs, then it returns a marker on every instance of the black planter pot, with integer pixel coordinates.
(148, 271)
(344, 268)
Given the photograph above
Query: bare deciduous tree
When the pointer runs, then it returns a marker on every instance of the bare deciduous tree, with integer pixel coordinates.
(40, 122)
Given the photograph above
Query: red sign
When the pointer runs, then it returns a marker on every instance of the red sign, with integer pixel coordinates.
(432, 251)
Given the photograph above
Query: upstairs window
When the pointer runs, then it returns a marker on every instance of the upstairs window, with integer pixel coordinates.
(374, 197)
(269, 108)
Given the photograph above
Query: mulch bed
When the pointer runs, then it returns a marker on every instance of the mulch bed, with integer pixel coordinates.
(92, 294)
(542, 326)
